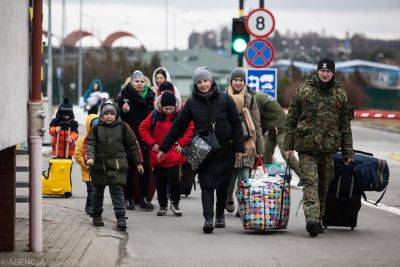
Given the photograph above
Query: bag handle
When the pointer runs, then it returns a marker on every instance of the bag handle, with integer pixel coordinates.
(288, 173)
(351, 185)
(259, 162)
(379, 199)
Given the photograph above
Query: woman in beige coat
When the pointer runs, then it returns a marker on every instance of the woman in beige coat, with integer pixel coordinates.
(253, 139)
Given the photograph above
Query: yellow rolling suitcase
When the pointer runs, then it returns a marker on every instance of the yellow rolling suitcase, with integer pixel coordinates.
(57, 179)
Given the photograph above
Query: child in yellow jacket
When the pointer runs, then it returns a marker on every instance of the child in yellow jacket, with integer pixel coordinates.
(91, 120)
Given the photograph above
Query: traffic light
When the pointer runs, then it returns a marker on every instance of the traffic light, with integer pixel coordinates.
(240, 37)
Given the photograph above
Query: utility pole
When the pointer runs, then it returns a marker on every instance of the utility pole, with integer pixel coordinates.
(36, 116)
(166, 24)
(60, 73)
(261, 3)
(241, 14)
(80, 68)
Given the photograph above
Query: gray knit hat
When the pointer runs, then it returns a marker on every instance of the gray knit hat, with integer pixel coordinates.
(137, 75)
(108, 106)
(238, 72)
(202, 73)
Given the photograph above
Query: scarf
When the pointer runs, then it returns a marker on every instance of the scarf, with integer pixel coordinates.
(144, 92)
(250, 143)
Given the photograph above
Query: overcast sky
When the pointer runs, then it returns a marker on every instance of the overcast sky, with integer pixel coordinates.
(146, 18)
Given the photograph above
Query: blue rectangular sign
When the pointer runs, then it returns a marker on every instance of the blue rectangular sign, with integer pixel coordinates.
(263, 81)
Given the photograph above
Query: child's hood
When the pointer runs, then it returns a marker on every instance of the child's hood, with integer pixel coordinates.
(90, 88)
(89, 120)
(65, 109)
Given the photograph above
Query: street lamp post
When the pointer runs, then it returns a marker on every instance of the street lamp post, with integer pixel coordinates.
(80, 68)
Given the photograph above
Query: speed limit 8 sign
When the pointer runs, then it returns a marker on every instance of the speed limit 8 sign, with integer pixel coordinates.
(260, 22)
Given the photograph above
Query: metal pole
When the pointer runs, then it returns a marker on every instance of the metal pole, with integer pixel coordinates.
(61, 78)
(49, 62)
(166, 24)
(241, 14)
(35, 135)
(241, 8)
(80, 69)
(261, 3)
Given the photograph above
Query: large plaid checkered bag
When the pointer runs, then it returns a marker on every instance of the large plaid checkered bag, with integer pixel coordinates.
(264, 201)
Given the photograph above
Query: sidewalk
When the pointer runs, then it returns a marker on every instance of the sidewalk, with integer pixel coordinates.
(69, 239)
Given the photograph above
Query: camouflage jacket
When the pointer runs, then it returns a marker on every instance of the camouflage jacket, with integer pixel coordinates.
(318, 120)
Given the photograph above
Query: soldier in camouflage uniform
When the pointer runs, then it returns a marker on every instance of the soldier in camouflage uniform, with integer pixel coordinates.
(318, 125)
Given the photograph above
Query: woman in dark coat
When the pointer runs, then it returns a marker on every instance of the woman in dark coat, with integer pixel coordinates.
(208, 105)
(136, 102)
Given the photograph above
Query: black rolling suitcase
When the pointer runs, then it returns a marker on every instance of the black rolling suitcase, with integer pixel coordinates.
(343, 201)
(187, 181)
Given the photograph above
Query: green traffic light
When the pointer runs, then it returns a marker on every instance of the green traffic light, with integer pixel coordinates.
(239, 45)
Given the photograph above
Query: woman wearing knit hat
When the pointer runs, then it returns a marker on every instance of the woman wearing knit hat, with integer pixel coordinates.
(166, 172)
(212, 113)
(253, 139)
(136, 103)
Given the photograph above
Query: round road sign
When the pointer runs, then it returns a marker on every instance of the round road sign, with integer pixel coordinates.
(259, 53)
(260, 22)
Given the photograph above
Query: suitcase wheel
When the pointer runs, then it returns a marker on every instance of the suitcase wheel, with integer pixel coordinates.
(67, 194)
(352, 228)
(326, 226)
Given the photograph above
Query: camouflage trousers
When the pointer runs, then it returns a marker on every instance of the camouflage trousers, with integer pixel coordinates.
(270, 141)
(317, 173)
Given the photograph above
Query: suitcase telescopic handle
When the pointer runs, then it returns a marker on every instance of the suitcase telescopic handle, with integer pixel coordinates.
(57, 142)
(67, 146)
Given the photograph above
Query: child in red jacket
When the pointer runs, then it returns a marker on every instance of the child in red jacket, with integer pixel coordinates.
(66, 127)
(166, 172)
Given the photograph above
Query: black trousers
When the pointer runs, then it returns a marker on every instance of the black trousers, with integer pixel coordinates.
(207, 199)
(89, 190)
(117, 197)
(167, 180)
(144, 180)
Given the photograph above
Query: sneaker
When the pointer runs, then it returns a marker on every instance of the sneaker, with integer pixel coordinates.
(121, 224)
(97, 221)
(175, 209)
(321, 228)
(312, 228)
(220, 221)
(130, 205)
(162, 211)
(208, 227)
(145, 205)
(230, 206)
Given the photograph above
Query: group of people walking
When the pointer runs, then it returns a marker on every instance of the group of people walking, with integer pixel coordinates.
(143, 132)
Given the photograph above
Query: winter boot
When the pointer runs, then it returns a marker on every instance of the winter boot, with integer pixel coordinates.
(220, 221)
(97, 221)
(208, 227)
(145, 205)
(121, 224)
(312, 228)
(162, 211)
(175, 209)
(230, 206)
(130, 205)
